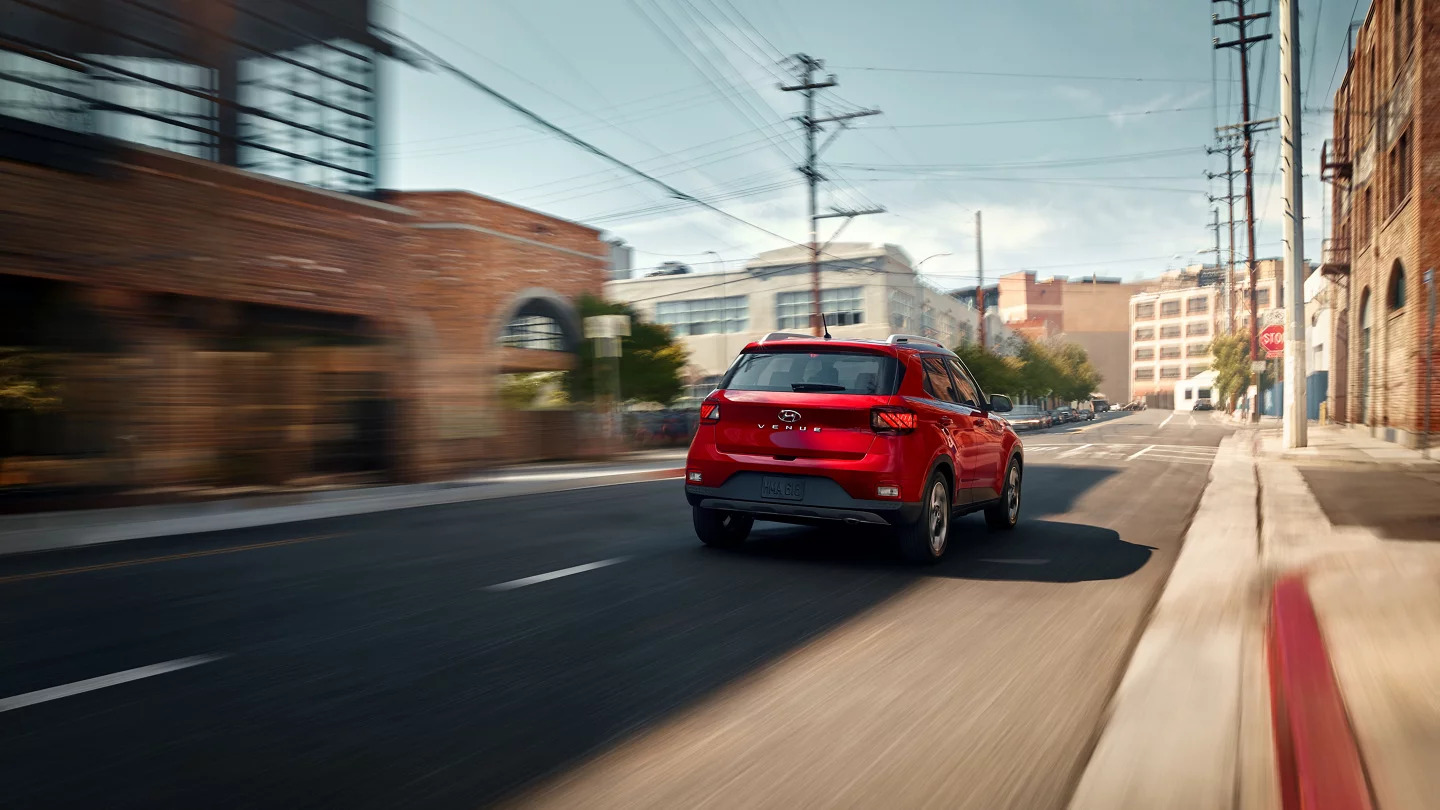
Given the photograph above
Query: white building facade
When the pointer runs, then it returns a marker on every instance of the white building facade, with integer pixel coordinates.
(866, 291)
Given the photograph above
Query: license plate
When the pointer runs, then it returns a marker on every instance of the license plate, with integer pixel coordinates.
(782, 489)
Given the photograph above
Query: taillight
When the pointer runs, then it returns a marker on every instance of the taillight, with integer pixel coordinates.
(893, 420)
(709, 412)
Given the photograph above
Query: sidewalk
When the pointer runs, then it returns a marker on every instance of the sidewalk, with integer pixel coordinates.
(43, 531)
(1357, 520)
(1293, 659)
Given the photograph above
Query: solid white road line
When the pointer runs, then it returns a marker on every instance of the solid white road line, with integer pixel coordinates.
(1140, 453)
(91, 684)
(1167, 420)
(563, 572)
(1069, 453)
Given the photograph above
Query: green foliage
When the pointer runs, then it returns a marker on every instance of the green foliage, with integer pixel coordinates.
(23, 383)
(1038, 370)
(650, 364)
(536, 390)
(995, 374)
(1232, 367)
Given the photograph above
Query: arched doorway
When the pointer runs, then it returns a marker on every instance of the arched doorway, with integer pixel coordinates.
(1365, 357)
(540, 320)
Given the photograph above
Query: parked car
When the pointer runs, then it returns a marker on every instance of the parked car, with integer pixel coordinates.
(1084, 414)
(1064, 415)
(1026, 417)
(892, 434)
(1203, 405)
(1100, 405)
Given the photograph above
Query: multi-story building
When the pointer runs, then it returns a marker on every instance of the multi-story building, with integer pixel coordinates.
(1172, 324)
(1089, 311)
(867, 291)
(1384, 227)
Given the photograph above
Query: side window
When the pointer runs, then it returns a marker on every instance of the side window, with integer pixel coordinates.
(937, 380)
(967, 389)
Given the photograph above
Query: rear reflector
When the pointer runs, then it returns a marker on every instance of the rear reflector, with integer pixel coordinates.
(888, 492)
(694, 477)
(893, 420)
(709, 412)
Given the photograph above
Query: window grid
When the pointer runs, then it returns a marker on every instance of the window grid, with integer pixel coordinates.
(1169, 332)
(1197, 329)
(1170, 373)
(704, 316)
(1197, 306)
(1169, 309)
(1144, 310)
(846, 304)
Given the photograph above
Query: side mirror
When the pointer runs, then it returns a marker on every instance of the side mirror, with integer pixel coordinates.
(999, 403)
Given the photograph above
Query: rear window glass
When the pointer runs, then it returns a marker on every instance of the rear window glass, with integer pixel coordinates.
(1024, 410)
(813, 373)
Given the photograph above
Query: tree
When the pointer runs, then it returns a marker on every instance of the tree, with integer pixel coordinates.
(996, 374)
(1078, 377)
(650, 361)
(1232, 367)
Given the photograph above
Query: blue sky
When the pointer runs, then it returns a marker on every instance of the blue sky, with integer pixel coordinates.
(1115, 188)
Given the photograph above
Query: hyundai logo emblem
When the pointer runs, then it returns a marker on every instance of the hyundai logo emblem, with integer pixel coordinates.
(789, 416)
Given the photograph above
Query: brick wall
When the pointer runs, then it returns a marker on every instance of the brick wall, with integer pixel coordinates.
(435, 276)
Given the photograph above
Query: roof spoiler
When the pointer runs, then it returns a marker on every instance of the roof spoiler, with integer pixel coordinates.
(914, 339)
(774, 336)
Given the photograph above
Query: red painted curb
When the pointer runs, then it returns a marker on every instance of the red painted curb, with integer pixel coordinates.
(1319, 760)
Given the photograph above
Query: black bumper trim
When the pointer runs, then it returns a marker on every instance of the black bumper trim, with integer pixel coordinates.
(879, 514)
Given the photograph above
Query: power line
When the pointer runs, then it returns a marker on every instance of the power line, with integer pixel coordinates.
(1075, 77)
(1082, 161)
(1340, 57)
(1314, 42)
(1002, 122)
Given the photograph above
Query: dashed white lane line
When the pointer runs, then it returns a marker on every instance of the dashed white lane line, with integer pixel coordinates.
(113, 679)
(1167, 420)
(1076, 450)
(563, 572)
(1140, 453)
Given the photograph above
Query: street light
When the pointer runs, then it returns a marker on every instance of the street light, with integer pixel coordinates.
(920, 293)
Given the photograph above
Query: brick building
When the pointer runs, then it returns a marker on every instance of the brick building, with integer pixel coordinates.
(1086, 310)
(1384, 167)
(214, 304)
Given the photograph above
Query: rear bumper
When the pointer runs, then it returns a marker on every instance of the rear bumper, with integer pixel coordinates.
(825, 502)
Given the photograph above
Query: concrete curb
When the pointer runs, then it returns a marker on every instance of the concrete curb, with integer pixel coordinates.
(24, 534)
(1317, 755)
(1188, 727)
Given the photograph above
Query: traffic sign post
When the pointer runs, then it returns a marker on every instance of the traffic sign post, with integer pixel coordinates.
(1272, 340)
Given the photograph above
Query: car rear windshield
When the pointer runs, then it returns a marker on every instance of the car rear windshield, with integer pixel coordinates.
(1025, 410)
(813, 372)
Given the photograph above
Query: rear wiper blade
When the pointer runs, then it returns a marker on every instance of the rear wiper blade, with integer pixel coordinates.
(811, 386)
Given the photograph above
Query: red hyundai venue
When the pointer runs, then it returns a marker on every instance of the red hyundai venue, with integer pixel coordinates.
(894, 434)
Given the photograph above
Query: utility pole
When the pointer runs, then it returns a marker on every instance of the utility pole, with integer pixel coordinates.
(807, 67)
(1229, 145)
(980, 275)
(1295, 415)
(1247, 128)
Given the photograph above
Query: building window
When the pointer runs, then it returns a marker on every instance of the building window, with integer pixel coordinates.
(1169, 309)
(1170, 373)
(1191, 371)
(1400, 164)
(1197, 329)
(1146, 353)
(1145, 373)
(704, 316)
(534, 332)
(1145, 310)
(843, 306)
(902, 310)
(1366, 215)
(1169, 352)
(1262, 299)
(1169, 331)
(1365, 356)
(1404, 32)
(1197, 306)
(1395, 291)
(1145, 333)
(1197, 350)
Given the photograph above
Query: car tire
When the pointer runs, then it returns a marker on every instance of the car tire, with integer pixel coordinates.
(1005, 513)
(925, 540)
(721, 529)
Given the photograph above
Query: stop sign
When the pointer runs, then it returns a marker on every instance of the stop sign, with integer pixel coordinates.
(1272, 340)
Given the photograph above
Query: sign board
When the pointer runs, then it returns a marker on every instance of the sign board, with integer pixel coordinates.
(1272, 340)
(1258, 366)
(607, 326)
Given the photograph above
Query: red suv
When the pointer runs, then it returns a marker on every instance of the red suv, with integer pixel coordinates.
(892, 434)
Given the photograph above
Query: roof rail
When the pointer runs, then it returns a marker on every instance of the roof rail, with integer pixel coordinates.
(774, 336)
(914, 339)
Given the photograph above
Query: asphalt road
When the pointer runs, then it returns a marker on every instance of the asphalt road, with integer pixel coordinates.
(425, 658)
